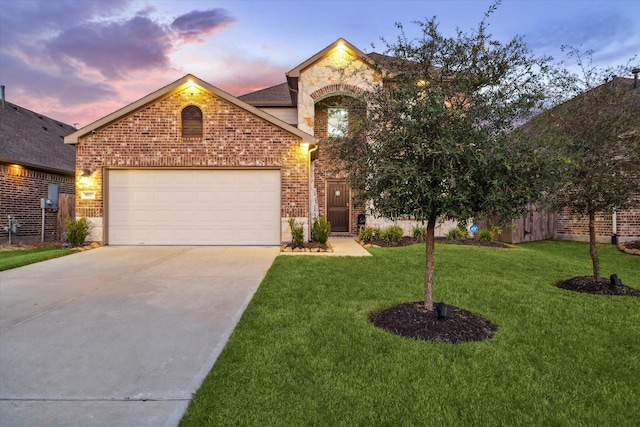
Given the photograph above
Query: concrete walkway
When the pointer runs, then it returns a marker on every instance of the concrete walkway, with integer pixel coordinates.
(342, 246)
(119, 336)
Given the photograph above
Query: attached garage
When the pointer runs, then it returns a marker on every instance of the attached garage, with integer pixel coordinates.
(193, 207)
(190, 164)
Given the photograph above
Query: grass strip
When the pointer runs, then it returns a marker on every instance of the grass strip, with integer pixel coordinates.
(13, 259)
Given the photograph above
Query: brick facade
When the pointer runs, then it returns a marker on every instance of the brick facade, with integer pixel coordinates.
(21, 189)
(573, 227)
(232, 138)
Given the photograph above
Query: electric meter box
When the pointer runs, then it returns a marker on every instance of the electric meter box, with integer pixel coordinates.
(52, 198)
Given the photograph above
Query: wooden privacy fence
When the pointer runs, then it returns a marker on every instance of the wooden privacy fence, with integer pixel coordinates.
(66, 209)
(535, 225)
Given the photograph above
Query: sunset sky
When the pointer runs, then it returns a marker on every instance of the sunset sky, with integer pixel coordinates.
(79, 60)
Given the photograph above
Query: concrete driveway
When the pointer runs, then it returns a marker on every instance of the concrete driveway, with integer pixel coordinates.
(119, 335)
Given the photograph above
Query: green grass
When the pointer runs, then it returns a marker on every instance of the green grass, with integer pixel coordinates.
(13, 259)
(304, 353)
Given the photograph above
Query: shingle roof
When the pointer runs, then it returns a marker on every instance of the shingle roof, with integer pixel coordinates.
(31, 139)
(272, 96)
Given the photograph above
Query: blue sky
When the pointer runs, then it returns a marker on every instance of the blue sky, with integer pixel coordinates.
(79, 60)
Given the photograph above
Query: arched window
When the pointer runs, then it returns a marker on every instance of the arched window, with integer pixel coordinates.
(191, 122)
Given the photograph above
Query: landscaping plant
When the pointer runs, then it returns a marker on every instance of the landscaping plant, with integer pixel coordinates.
(419, 232)
(297, 233)
(367, 234)
(457, 233)
(321, 230)
(391, 234)
(78, 230)
(484, 234)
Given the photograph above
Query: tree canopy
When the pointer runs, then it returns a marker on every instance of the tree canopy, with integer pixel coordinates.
(594, 130)
(436, 140)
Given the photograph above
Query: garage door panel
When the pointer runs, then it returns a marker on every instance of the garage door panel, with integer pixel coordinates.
(194, 207)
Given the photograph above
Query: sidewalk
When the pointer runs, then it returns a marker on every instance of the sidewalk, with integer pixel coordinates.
(342, 246)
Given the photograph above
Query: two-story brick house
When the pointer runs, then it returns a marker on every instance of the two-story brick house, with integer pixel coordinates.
(191, 164)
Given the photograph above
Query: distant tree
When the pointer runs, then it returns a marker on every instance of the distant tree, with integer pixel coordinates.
(436, 139)
(594, 129)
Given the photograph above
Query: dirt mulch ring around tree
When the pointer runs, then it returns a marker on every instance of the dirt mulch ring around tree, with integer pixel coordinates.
(412, 320)
(602, 286)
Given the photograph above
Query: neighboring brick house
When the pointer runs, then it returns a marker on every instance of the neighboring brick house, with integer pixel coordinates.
(35, 164)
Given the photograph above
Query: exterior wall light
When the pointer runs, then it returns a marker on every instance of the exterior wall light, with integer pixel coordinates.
(84, 179)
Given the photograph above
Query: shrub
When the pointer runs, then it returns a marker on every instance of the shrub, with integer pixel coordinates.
(367, 234)
(321, 230)
(484, 234)
(391, 234)
(297, 233)
(457, 233)
(419, 232)
(78, 230)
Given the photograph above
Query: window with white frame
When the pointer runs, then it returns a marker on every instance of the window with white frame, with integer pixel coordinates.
(337, 122)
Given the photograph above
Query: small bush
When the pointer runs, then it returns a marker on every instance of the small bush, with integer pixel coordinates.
(391, 234)
(419, 232)
(78, 230)
(484, 235)
(297, 233)
(367, 234)
(457, 233)
(321, 230)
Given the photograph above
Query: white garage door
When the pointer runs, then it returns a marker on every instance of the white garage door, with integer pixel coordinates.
(193, 207)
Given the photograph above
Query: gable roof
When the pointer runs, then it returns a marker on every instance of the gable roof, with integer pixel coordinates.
(33, 140)
(294, 73)
(286, 94)
(274, 96)
(178, 85)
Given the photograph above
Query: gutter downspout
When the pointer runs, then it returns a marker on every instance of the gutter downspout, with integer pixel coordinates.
(614, 228)
(311, 198)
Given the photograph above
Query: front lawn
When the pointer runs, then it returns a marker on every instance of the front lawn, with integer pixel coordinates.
(17, 258)
(305, 354)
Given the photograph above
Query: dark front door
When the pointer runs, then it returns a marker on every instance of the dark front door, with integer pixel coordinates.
(338, 205)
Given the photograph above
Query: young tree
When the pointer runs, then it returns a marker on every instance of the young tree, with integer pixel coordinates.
(595, 129)
(436, 139)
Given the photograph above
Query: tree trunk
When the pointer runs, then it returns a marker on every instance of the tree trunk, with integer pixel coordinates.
(593, 249)
(428, 282)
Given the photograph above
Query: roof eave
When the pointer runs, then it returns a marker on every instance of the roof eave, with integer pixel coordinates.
(38, 167)
(174, 87)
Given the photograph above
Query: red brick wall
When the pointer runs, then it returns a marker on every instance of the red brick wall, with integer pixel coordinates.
(21, 189)
(628, 225)
(232, 137)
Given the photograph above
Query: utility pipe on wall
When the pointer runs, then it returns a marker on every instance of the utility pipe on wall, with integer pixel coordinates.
(311, 180)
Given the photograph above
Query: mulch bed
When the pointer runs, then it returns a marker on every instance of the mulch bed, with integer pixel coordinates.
(631, 248)
(308, 247)
(412, 320)
(407, 240)
(602, 286)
